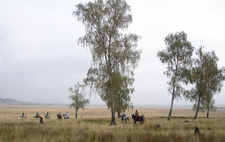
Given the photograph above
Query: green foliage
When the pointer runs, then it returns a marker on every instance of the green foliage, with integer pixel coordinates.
(208, 79)
(114, 54)
(78, 97)
(177, 56)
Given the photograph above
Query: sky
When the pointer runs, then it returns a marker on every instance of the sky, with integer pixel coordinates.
(40, 58)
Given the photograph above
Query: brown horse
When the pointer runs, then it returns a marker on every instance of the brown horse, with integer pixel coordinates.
(37, 116)
(59, 116)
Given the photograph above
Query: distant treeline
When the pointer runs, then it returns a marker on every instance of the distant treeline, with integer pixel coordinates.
(6, 100)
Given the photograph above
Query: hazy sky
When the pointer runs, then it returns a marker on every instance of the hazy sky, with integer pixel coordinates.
(40, 58)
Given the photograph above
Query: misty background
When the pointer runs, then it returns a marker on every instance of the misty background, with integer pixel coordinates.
(40, 58)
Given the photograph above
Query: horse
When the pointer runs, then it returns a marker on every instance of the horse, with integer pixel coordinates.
(141, 118)
(47, 116)
(23, 116)
(124, 118)
(66, 116)
(36, 116)
(59, 116)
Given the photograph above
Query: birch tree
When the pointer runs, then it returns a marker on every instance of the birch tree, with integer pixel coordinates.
(177, 57)
(114, 54)
(78, 97)
(207, 79)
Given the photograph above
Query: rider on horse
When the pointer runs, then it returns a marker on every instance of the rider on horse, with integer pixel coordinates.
(124, 114)
(47, 115)
(136, 115)
(37, 114)
(22, 114)
(66, 115)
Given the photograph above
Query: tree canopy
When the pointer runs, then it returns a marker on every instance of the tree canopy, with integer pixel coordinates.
(114, 54)
(78, 97)
(207, 79)
(177, 57)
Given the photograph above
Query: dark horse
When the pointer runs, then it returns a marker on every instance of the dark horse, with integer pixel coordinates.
(141, 118)
(59, 116)
(36, 116)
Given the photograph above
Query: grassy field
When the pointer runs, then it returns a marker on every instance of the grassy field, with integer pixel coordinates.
(93, 125)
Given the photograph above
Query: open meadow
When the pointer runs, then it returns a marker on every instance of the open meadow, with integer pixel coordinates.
(93, 122)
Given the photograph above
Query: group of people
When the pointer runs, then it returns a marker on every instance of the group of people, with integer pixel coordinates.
(47, 115)
(66, 115)
(136, 114)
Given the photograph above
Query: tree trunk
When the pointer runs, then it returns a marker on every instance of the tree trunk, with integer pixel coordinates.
(76, 114)
(208, 112)
(119, 114)
(171, 108)
(113, 120)
(173, 97)
(196, 114)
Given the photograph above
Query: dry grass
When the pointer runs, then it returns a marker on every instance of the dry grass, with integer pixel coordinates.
(93, 125)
